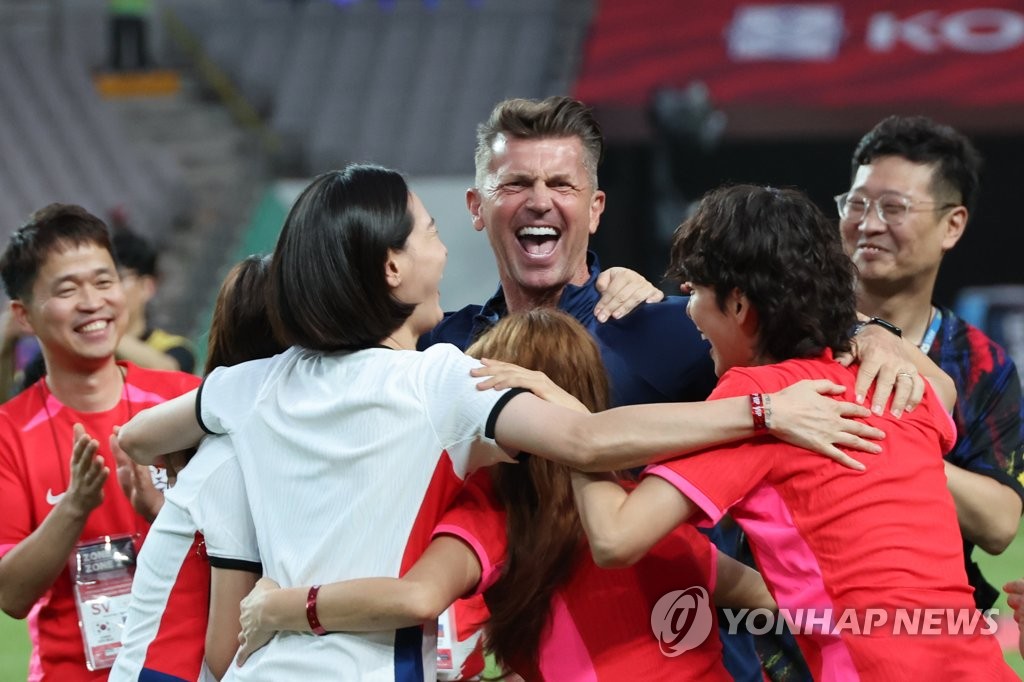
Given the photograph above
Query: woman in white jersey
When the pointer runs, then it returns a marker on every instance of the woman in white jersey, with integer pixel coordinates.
(200, 553)
(352, 443)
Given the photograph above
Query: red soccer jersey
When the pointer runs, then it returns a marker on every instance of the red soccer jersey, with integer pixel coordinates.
(600, 625)
(832, 540)
(35, 454)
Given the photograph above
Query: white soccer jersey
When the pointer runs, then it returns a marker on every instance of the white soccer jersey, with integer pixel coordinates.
(205, 515)
(349, 459)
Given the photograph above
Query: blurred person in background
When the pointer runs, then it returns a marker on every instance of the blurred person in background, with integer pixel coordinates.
(128, 34)
(57, 499)
(18, 350)
(143, 344)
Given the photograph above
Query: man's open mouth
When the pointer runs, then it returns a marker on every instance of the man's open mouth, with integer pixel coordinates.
(538, 240)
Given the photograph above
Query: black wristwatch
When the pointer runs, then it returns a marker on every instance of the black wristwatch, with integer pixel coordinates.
(884, 324)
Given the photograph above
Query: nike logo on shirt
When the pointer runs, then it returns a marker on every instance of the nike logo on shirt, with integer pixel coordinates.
(52, 499)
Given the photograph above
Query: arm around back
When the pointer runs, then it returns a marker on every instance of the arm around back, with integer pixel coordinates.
(622, 526)
(161, 429)
(631, 436)
(620, 438)
(227, 589)
(447, 570)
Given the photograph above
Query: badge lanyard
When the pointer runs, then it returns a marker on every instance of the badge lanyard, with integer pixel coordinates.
(101, 578)
(45, 393)
(933, 331)
(101, 569)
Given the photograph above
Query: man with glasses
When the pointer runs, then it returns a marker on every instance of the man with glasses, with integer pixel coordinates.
(915, 183)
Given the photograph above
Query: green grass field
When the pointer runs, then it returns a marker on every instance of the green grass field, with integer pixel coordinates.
(999, 570)
(14, 646)
(14, 649)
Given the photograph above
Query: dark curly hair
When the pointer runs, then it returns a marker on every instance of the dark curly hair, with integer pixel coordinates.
(919, 139)
(780, 250)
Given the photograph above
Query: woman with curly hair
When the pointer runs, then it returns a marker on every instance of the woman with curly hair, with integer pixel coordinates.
(852, 558)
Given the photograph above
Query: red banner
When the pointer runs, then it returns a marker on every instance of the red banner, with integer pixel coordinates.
(943, 54)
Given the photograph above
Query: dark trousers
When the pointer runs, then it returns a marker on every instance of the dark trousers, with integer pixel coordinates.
(128, 43)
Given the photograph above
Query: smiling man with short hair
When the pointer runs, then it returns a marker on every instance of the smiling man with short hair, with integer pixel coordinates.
(55, 489)
(536, 197)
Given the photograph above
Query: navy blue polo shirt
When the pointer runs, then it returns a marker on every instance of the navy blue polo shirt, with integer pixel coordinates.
(653, 355)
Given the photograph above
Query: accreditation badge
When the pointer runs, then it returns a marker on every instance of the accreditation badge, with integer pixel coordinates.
(445, 665)
(101, 577)
(457, 659)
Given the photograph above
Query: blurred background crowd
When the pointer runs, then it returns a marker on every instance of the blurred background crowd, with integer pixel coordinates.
(191, 125)
(193, 122)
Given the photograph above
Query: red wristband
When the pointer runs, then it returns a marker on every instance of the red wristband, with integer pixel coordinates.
(314, 622)
(757, 411)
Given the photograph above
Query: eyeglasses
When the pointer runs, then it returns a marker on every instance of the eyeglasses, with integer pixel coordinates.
(891, 209)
